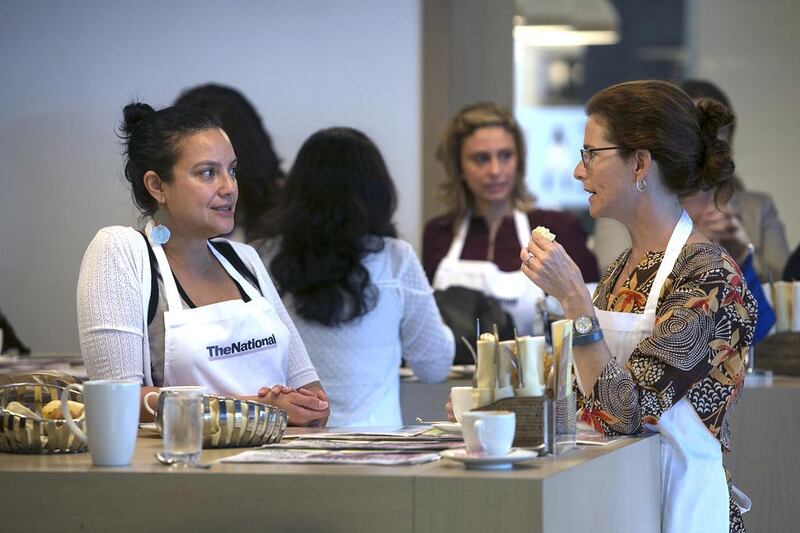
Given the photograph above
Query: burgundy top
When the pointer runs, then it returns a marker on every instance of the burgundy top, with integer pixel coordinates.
(569, 232)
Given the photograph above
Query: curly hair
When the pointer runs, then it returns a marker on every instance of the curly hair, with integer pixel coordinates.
(338, 205)
(455, 192)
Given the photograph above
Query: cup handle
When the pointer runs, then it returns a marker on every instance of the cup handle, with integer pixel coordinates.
(73, 427)
(479, 434)
(146, 400)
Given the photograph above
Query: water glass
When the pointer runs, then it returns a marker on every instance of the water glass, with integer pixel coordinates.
(183, 426)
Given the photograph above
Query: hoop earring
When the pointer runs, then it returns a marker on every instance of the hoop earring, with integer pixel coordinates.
(160, 233)
(641, 185)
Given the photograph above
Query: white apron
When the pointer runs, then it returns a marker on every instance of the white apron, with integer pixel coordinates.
(231, 347)
(694, 492)
(517, 294)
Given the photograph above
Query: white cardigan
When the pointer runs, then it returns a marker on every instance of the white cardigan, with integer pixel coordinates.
(358, 362)
(113, 296)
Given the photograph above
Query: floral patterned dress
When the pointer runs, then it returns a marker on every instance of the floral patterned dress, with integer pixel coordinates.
(698, 349)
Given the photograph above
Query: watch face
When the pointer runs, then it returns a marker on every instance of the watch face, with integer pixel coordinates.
(583, 324)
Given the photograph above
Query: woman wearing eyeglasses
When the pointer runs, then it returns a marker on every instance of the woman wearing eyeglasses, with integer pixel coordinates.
(491, 214)
(662, 344)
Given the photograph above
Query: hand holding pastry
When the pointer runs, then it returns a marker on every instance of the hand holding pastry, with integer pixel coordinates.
(549, 266)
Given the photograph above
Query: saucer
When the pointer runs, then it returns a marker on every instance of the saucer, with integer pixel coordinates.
(464, 371)
(489, 462)
(448, 427)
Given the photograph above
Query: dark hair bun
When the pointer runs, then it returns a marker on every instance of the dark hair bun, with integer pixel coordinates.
(133, 114)
(716, 166)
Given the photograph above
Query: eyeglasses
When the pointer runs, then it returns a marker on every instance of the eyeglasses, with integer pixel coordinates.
(588, 154)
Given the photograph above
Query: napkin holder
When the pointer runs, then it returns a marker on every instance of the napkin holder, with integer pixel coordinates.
(541, 420)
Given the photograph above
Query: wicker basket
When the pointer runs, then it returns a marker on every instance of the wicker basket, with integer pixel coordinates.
(534, 415)
(23, 434)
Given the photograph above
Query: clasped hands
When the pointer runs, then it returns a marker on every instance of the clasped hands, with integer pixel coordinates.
(305, 406)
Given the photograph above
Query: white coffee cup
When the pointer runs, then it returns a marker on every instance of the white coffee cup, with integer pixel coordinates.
(461, 400)
(488, 432)
(112, 419)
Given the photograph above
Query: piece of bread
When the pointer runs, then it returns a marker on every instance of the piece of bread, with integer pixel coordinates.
(52, 411)
(19, 409)
(544, 232)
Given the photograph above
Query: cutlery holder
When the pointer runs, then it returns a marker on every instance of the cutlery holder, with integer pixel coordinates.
(540, 420)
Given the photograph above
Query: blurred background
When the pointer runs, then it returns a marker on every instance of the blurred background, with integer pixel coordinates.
(394, 69)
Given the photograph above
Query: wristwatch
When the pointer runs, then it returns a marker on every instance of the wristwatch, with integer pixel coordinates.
(586, 330)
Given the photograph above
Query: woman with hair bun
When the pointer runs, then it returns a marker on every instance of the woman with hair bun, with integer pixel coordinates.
(170, 305)
(663, 343)
(259, 173)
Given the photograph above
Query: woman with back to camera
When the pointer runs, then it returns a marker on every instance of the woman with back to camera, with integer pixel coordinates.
(162, 304)
(356, 292)
(663, 345)
(476, 244)
(258, 173)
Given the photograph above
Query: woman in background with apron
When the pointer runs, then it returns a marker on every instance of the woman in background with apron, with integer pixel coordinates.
(476, 244)
(212, 323)
(663, 345)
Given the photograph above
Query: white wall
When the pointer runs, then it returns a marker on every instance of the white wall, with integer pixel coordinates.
(67, 68)
(750, 49)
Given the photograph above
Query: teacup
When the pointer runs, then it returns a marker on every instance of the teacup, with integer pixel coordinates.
(461, 400)
(488, 432)
(112, 419)
(158, 412)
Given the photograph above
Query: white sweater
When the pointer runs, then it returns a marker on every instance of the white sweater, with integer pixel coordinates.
(358, 361)
(113, 298)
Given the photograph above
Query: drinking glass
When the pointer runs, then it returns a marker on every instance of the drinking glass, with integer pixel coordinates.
(183, 426)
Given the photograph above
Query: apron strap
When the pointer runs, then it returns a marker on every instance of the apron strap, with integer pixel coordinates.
(679, 237)
(232, 272)
(170, 288)
(521, 223)
(457, 244)
(523, 226)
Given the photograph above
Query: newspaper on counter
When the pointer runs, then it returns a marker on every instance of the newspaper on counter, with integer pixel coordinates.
(341, 457)
(405, 433)
(405, 446)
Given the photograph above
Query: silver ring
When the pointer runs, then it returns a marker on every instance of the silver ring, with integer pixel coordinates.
(530, 256)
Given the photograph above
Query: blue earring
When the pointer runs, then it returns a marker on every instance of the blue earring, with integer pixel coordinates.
(160, 233)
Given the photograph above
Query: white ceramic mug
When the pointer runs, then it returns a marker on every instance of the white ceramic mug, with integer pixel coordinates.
(460, 400)
(162, 394)
(488, 432)
(112, 419)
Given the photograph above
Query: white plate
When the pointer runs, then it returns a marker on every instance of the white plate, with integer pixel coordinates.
(149, 426)
(463, 370)
(484, 462)
(448, 427)
(405, 372)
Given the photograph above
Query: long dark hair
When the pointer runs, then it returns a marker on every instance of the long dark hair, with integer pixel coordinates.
(339, 202)
(258, 172)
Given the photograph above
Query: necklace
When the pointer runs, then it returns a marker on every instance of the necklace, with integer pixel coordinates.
(625, 268)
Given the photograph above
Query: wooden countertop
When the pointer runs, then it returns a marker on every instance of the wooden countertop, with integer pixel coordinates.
(148, 496)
